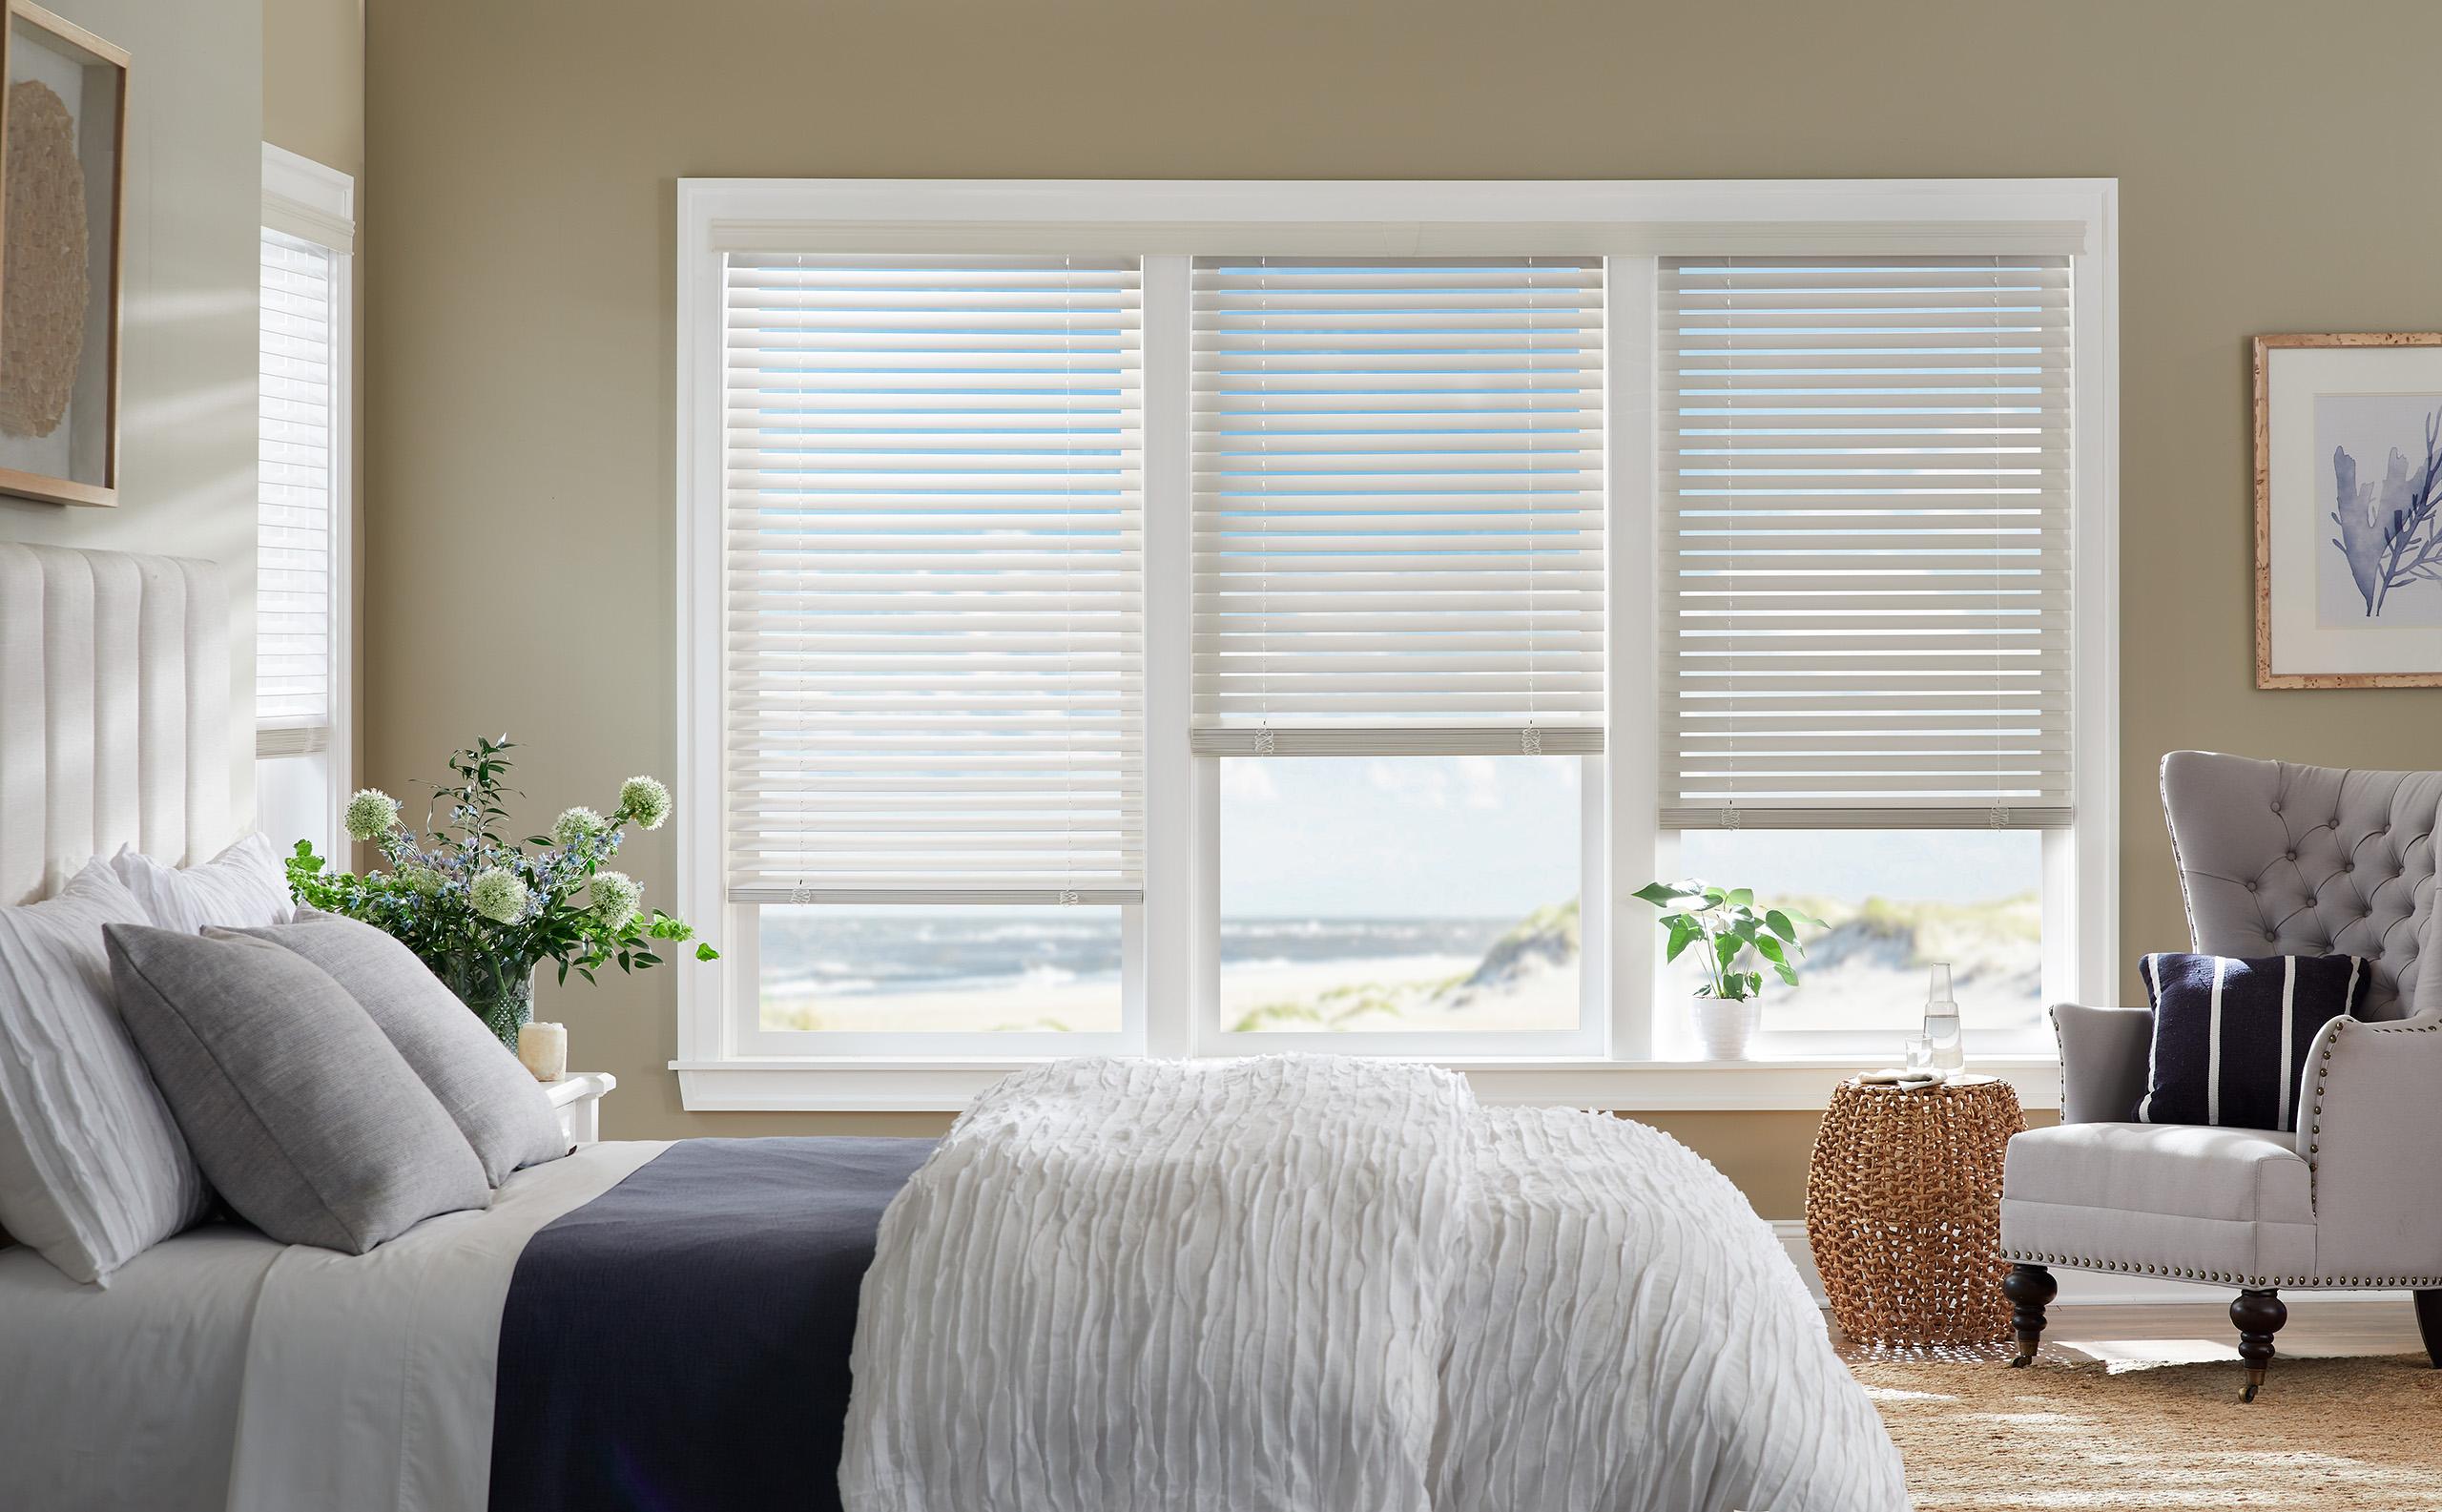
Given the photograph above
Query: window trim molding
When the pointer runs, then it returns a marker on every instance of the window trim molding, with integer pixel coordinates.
(1633, 223)
(308, 199)
(945, 1084)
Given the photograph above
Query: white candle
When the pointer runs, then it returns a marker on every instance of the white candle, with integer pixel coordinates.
(544, 1047)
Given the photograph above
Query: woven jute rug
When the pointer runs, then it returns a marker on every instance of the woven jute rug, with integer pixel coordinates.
(2327, 1435)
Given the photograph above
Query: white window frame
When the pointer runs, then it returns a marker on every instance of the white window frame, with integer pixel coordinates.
(316, 203)
(1632, 224)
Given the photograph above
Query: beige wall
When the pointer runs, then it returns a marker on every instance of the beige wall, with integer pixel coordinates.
(2271, 160)
(313, 106)
(187, 375)
(313, 80)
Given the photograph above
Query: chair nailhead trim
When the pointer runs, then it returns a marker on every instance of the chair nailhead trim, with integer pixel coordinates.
(2226, 1278)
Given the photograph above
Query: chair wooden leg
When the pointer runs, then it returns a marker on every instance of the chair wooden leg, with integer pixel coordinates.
(2258, 1315)
(2030, 1289)
(2428, 1323)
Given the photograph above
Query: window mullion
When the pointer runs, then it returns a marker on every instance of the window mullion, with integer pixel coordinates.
(1173, 859)
(1632, 644)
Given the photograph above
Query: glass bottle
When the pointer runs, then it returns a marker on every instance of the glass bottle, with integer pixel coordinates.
(1941, 1022)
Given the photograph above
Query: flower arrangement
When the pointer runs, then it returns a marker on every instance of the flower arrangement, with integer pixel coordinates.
(484, 911)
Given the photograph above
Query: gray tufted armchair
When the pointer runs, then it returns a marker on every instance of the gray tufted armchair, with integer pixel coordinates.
(2275, 859)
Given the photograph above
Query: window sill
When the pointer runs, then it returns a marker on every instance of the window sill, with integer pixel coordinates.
(946, 1086)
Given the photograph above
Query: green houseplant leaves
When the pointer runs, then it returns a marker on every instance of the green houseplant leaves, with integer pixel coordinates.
(1727, 922)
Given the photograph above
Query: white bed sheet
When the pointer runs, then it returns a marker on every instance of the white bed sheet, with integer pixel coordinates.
(127, 1397)
(369, 1377)
(222, 1370)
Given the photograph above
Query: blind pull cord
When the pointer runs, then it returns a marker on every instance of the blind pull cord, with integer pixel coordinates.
(1068, 581)
(1530, 740)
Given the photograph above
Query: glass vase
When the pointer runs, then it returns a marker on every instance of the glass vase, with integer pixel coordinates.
(500, 993)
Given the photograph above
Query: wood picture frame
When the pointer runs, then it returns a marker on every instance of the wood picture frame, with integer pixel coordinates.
(2308, 628)
(63, 167)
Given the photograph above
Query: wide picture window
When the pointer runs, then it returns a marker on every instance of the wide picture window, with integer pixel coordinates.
(1099, 642)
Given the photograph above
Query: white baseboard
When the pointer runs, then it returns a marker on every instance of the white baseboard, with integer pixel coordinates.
(2077, 1287)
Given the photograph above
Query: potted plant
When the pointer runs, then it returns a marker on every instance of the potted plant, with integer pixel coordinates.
(482, 910)
(1727, 924)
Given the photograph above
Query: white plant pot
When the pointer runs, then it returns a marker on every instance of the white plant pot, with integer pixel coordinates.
(1724, 1025)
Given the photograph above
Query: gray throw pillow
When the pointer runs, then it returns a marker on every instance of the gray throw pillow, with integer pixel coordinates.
(302, 1115)
(493, 1098)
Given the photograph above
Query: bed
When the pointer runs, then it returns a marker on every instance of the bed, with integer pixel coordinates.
(1427, 1303)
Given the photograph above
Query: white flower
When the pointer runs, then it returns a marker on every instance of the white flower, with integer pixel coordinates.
(647, 800)
(615, 895)
(575, 825)
(371, 814)
(423, 880)
(498, 895)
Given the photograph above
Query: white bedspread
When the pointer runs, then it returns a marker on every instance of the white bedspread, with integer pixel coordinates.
(1303, 1282)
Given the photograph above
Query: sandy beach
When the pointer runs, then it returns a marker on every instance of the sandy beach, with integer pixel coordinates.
(1378, 994)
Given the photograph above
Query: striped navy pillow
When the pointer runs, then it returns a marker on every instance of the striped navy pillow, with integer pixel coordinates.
(2231, 1036)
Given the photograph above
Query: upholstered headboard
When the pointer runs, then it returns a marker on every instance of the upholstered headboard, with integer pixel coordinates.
(113, 711)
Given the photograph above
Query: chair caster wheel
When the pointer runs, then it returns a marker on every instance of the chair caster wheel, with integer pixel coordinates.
(2021, 1361)
(2248, 1392)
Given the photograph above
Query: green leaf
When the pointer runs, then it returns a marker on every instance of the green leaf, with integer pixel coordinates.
(707, 953)
(1742, 896)
(1659, 893)
(1787, 975)
(1728, 948)
(1769, 949)
(1681, 932)
(1780, 924)
(1715, 895)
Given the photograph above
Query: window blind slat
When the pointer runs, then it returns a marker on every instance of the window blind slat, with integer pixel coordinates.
(933, 544)
(294, 492)
(1398, 505)
(1865, 542)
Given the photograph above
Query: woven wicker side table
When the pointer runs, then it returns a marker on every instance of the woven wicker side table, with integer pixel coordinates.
(1903, 1208)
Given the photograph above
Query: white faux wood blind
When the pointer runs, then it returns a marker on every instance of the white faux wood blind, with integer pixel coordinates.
(934, 677)
(1397, 505)
(1866, 530)
(294, 498)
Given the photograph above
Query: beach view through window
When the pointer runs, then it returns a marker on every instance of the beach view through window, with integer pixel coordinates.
(1895, 900)
(1435, 893)
(1399, 894)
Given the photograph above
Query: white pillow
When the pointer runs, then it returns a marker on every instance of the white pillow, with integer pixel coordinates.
(92, 1170)
(243, 887)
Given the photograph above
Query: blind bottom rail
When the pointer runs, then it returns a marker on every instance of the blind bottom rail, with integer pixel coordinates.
(1239, 740)
(1042, 897)
(1923, 817)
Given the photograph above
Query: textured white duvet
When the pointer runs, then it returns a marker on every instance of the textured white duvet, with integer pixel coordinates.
(1313, 1284)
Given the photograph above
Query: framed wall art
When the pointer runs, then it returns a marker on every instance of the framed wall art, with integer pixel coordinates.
(2348, 510)
(63, 127)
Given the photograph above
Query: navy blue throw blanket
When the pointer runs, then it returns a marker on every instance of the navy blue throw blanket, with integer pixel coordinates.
(680, 1343)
